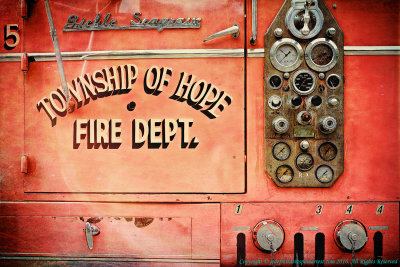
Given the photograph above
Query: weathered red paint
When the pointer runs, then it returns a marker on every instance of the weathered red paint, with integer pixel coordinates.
(217, 175)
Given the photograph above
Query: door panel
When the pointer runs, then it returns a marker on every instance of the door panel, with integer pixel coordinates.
(210, 160)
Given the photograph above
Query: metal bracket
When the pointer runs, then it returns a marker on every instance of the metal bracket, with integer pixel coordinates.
(53, 34)
(253, 37)
(90, 231)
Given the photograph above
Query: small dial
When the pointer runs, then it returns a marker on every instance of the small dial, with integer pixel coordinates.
(327, 151)
(304, 82)
(281, 151)
(284, 173)
(333, 81)
(322, 54)
(304, 161)
(286, 54)
(324, 173)
(275, 81)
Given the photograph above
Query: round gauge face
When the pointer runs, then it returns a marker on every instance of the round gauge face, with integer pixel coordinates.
(327, 151)
(275, 81)
(322, 54)
(324, 174)
(284, 173)
(286, 55)
(304, 82)
(304, 162)
(281, 151)
(333, 81)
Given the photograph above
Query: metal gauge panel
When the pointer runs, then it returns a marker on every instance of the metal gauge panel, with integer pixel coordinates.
(304, 96)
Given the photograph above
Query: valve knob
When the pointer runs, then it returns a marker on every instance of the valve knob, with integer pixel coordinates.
(327, 124)
(268, 236)
(350, 235)
(280, 125)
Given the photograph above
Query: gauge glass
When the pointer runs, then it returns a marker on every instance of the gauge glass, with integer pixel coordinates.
(286, 55)
(304, 161)
(304, 83)
(322, 54)
(327, 151)
(324, 174)
(333, 81)
(281, 151)
(284, 173)
(275, 81)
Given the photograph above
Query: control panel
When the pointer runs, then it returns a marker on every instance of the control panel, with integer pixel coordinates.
(303, 86)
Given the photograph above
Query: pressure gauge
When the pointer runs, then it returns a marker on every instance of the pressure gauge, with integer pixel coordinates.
(327, 151)
(322, 54)
(275, 81)
(304, 21)
(268, 236)
(333, 81)
(286, 55)
(304, 162)
(281, 151)
(324, 174)
(284, 173)
(304, 82)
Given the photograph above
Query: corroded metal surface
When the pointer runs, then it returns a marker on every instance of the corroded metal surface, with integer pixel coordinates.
(297, 132)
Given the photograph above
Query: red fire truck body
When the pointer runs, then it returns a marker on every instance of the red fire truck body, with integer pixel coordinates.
(156, 153)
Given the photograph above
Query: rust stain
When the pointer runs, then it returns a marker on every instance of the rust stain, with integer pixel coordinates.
(128, 219)
(94, 219)
(143, 222)
(117, 218)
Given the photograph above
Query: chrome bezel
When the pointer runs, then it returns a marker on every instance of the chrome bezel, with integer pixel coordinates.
(328, 66)
(274, 87)
(298, 6)
(333, 87)
(277, 45)
(313, 86)
(316, 173)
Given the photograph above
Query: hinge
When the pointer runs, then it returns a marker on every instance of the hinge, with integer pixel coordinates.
(24, 62)
(24, 164)
(24, 8)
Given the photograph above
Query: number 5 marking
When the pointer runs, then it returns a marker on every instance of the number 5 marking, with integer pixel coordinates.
(11, 32)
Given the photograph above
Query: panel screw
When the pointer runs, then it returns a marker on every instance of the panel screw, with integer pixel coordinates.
(286, 75)
(286, 88)
(321, 76)
(278, 32)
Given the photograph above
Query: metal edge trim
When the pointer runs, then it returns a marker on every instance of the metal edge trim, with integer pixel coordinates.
(27, 258)
(182, 53)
